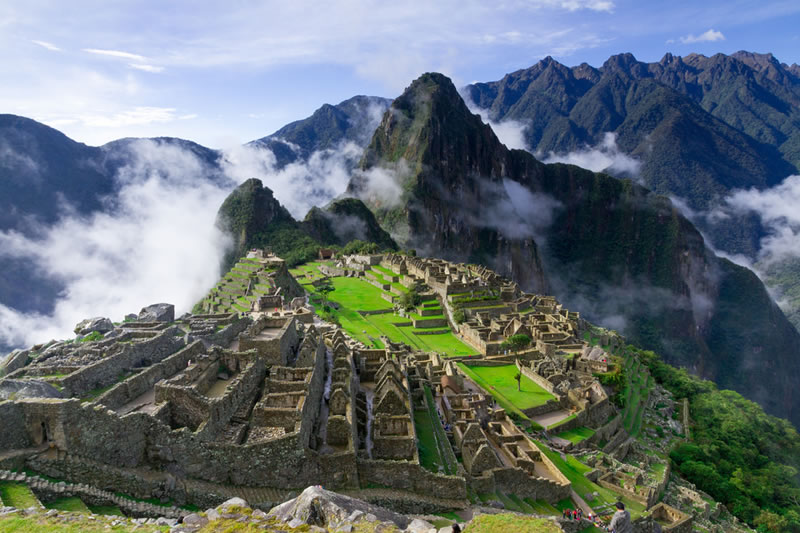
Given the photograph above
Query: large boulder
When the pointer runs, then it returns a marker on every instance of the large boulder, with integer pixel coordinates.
(157, 313)
(19, 389)
(90, 325)
(320, 507)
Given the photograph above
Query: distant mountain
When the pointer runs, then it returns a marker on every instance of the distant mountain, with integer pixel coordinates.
(701, 126)
(591, 239)
(353, 120)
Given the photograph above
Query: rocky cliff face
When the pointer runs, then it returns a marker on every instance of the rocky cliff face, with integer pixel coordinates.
(610, 248)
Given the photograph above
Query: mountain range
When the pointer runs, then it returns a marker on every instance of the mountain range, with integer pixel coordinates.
(435, 178)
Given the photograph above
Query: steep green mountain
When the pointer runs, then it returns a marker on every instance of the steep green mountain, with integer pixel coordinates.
(254, 218)
(353, 120)
(345, 220)
(621, 254)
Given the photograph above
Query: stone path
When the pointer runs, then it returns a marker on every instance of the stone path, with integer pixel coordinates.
(148, 398)
(551, 418)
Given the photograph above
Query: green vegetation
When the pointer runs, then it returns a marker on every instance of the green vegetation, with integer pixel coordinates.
(499, 382)
(42, 524)
(73, 504)
(429, 456)
(574, 471)
(93, 336)
(516, 342)
(445, 450)
(351, 295)
(741, 456)
(17, 495)
(503, 523)
(576, 435)
(107, 510)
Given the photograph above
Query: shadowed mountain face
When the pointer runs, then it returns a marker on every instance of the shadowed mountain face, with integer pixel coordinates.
(614, 250)
(353, 120)
(701, 126)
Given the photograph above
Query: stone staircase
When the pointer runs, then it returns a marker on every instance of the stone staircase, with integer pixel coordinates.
(257, 497)
(128, 506)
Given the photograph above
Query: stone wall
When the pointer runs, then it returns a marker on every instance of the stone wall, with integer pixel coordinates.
(412, 477)
(517, 481)
(132, 388)
(47, 491)
(13, 435)
(240, 390)
(107, 371)
(277, 349)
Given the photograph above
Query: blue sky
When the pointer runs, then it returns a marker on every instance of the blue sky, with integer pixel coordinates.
(222, 73)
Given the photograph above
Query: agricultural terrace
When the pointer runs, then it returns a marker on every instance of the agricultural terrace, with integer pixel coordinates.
(500, 382)
(574, 470)
(350, 297)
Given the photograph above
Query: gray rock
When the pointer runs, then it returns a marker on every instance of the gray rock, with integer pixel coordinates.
(347, 528)
(28, 388)
(90, 325)
(332, 507)
(419, 526)
(212, 514)
(130, 317)
(157, 313)
(233, 502)
(194, 519)
(295, 523)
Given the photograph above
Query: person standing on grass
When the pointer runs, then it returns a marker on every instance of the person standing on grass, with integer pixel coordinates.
(621, 521)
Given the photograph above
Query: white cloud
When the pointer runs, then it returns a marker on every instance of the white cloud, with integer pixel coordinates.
(156, 242)
(710, 35)
(131, 117)
(510, 132)
(146, 68)
(605, 157)
(49, 46)
(777, 208)
(116, 53)
(300, 185)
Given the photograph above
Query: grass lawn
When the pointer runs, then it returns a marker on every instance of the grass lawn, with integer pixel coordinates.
(353, 295)
(576, 435)
(73, 504)
(499, 380)
(429, 456)
(542, 507)
(17, 495)
(108, 510)
(574, 470)
(502, 523)
(357, 295)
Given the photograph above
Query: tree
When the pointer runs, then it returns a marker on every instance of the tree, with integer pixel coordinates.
(410, 299)
(516, 342)
(518, 377)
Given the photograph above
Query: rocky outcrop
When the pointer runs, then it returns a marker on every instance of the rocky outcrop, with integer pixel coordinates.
(90, 325)
(157, 313)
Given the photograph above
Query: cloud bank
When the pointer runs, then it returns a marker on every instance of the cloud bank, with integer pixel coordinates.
(155, 242)
(605, 157)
